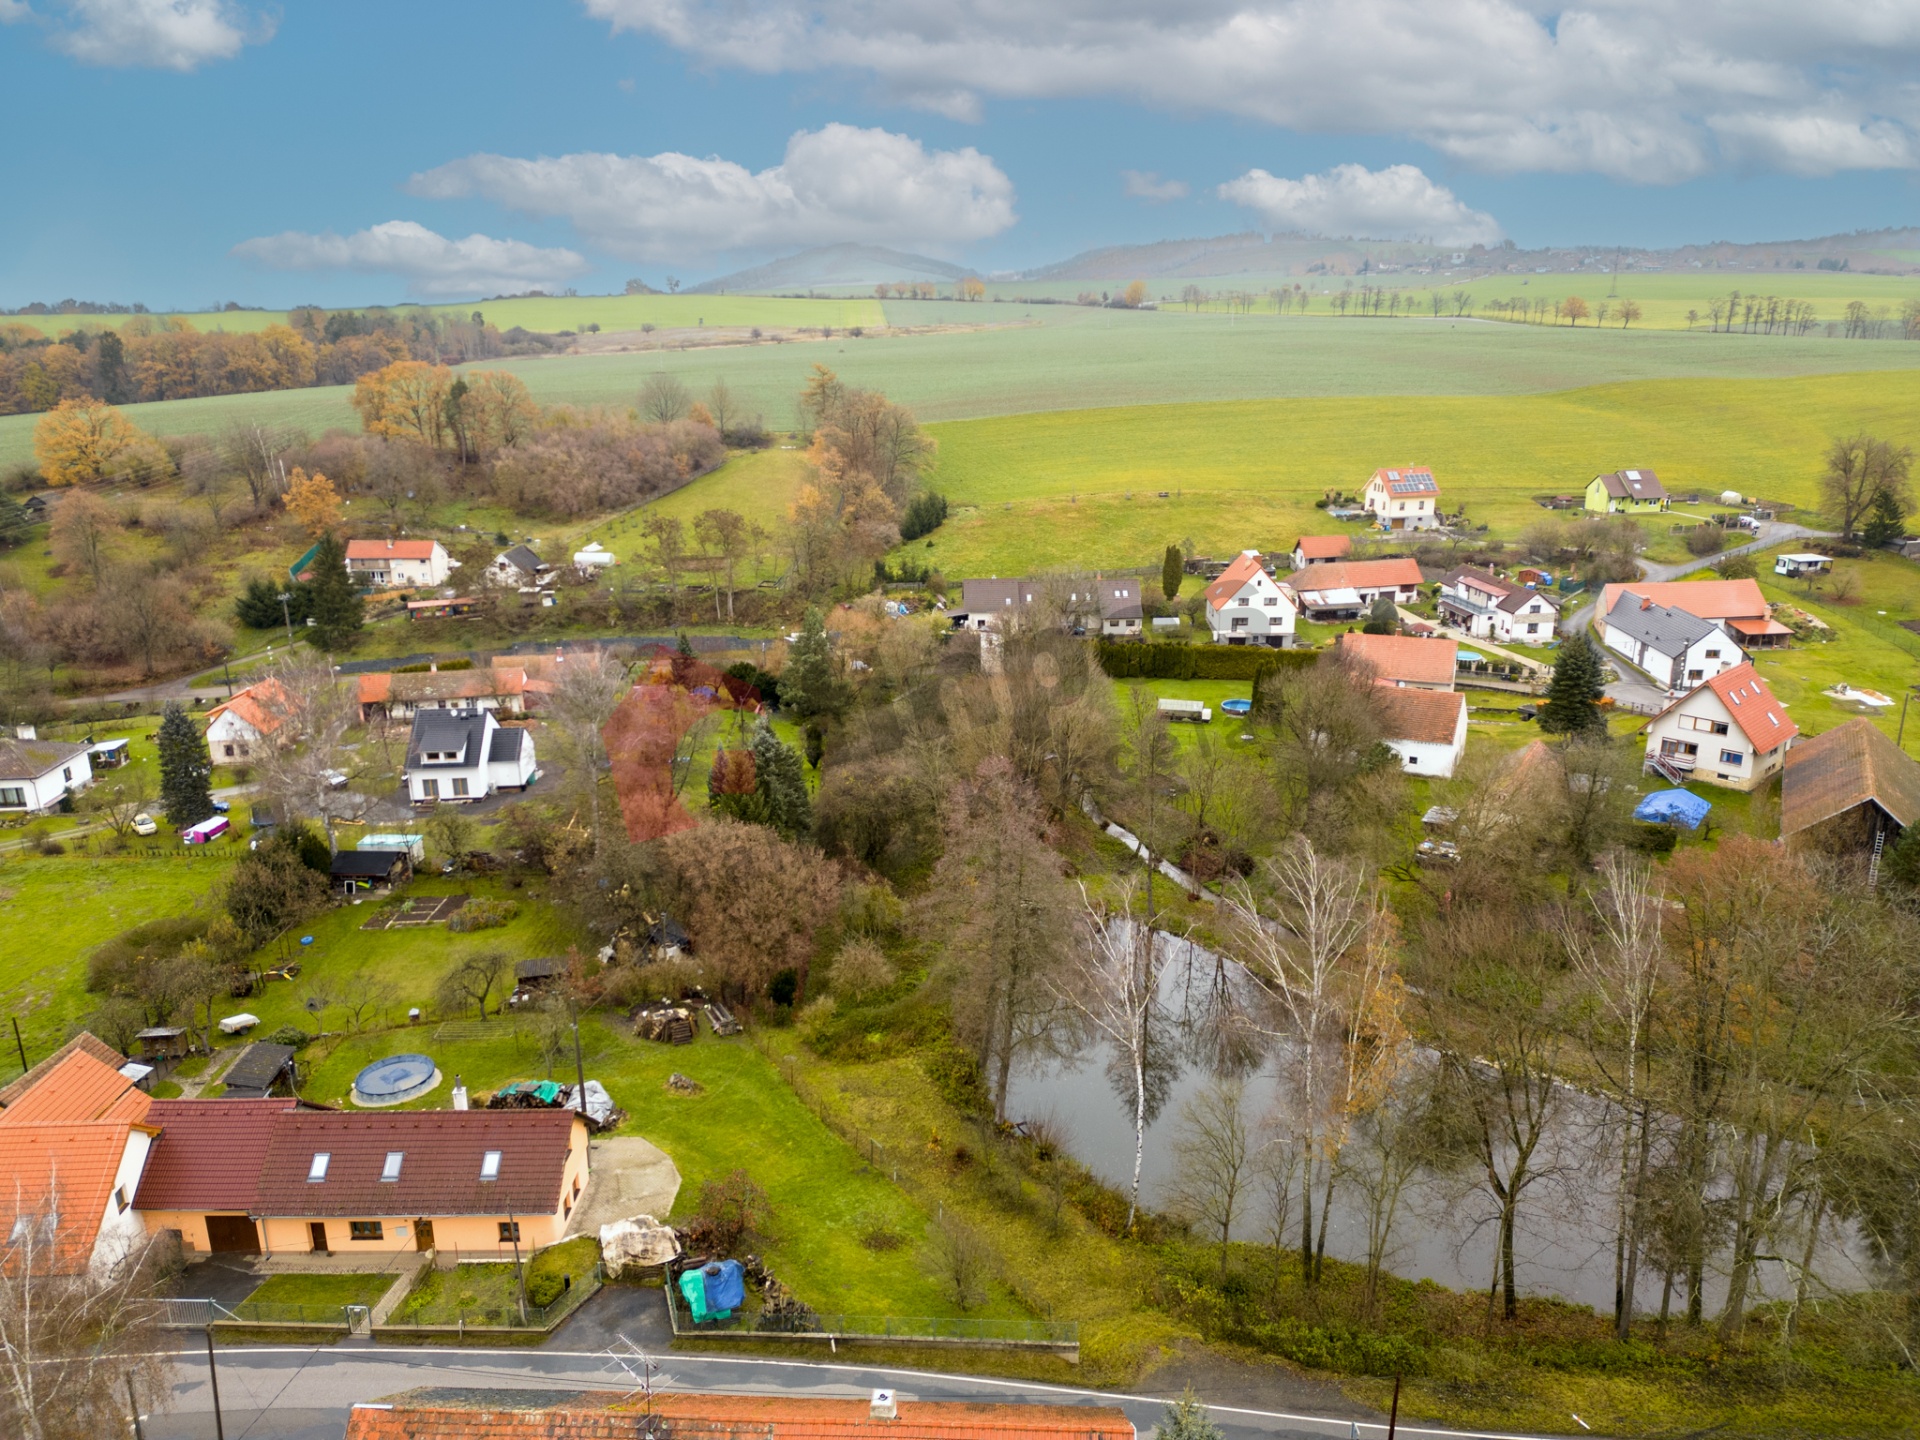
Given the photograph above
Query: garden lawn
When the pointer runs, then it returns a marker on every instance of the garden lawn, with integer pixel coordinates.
(321, 1290)
(825, 1198)
(59, 909)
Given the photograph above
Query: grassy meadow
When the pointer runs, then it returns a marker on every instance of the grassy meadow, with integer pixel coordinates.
(1665, 297)
(1019, 359)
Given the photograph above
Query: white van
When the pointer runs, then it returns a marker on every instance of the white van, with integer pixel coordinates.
(208, 830)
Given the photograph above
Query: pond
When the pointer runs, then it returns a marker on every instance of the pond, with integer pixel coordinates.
(1446, 1228)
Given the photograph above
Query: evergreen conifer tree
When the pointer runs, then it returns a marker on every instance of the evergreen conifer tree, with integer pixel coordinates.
(1573, 695)
(1383, 617)
(811, 683)
(1173, 570)
(1886, 521)
(781, 781)
(1187, 1419)
(336, 606)
(185, 769)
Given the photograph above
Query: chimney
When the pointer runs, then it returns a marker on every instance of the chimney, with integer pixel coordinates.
(883, 1406)
(1646, 604)
(389, 544)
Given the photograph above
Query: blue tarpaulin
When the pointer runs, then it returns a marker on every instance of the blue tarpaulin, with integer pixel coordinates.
(726, 1286)
(1673, 807)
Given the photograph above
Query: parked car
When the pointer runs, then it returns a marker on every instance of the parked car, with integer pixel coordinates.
(145, 824)
(222, 807)
(336, 779)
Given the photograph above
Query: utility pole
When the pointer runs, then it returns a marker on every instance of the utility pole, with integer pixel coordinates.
(134, 1403)
(213, 1379)
(286, 614)
(1905, 700)
(520, 1275)
(579, 1067)
(20, 1045)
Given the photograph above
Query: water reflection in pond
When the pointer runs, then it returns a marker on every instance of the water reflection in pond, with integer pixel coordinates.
(1446, 1229)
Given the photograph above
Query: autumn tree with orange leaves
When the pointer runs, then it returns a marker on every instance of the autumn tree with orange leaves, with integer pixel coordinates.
(84, 440)
(312, 500)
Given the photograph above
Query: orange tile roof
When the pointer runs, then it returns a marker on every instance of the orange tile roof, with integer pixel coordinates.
(263, 706)
(1324, 547)
(1404, 657)
(376, 689)
(1709, 599)
(390, 549)
(1408, 480)
(1424, 717)
(66, 1169)
(1755, 712)
(1827, 775)
(1245, 566)
(1359, 575)
(505, 1415)
(77, 1087)
(85, 1041)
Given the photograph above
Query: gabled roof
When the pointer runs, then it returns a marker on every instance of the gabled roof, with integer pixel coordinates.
(521, 559)
(77, 1087)
(508, 741)
(256, 1071)
(1244, 567)
(1323, 547)
(411, 687)
(377, 688)
(441, 1414)
(209, 1153)
(263, 706)
(988, 596)
(63, 1171)
(461, 731)
(1750, 704)
(30, 759)
(1408, 481)
(1709, 599)
(1360, 575)
(1827, 775)
(391, 549)
(366, 864)
(1404, 657)
(84, 1042)
(1633, 485)
(1426, 717)
(1662, 628)
(440, 1174)
(1478, 579)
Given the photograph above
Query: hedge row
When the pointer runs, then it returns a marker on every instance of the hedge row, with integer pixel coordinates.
(1163, 660)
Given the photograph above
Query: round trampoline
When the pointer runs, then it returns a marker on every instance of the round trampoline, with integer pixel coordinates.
(395, 1080)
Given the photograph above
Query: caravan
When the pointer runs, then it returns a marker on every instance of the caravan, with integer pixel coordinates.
(207, 831)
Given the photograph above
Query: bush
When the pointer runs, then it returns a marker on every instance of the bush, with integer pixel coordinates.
(552, 1272)
(859, 970)
(1652, 839)
(1737, 567)
(482, 915)
(731, 1210)
(1705, 540)
(1129, 660)
(290, 1035)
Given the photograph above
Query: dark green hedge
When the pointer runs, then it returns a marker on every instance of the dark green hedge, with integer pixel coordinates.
(1161, 660)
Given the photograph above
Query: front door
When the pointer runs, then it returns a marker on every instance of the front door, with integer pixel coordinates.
(317, 1231)
(423, 1234)
(232, 1235)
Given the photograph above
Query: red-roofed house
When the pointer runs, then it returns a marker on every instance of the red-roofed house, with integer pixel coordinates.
(1342, 589)
(1427, 729)
(1246, 606)
(1728, 731)
(1404, 660)
(1736, 605)
(399, 696)
(76, 1086)
(252, 717)
(1320, 549)
(439, 1414)
(385, 564)
(67, 1204)
(1489, 608)
(85, 1042)
(204, 1172)
(1403, 499)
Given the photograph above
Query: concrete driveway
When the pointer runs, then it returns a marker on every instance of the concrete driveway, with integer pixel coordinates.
(630, 1177)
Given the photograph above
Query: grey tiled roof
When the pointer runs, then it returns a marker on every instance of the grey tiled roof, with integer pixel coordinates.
(1661, 628)
(506, 743)
(443, 730)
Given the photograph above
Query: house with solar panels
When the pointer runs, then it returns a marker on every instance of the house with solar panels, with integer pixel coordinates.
(1404, 499)
(1626, 492)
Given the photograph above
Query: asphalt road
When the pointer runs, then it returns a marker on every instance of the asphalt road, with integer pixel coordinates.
(1771, 533)
(305, 1394)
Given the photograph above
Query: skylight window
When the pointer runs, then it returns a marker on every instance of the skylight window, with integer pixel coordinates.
(391, 1170)
(490, 1165)
(317, 1171)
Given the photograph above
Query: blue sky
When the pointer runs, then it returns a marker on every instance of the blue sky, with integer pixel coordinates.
(183, 152)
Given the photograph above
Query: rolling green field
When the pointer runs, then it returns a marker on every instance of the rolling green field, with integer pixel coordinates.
(1666, 297)
(550, 313)
(1042, 358)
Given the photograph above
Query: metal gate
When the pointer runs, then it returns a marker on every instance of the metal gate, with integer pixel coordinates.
(359, 1320)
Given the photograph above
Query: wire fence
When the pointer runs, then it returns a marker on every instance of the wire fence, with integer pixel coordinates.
(909, 1329)
(272, 1312)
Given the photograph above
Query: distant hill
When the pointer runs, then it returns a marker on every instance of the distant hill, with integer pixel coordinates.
(832, 265)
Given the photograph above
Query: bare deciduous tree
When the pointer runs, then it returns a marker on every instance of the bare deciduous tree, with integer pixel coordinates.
(1214, 1164)
(583, 701)
(472, 981)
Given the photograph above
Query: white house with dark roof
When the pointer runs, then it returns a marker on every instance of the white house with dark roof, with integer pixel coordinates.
(34, 774)
(1403, 499)
(465, 755)
(1730, 730)
(517, 567)
(1677, 649)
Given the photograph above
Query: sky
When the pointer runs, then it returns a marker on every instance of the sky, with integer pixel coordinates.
(185, 153)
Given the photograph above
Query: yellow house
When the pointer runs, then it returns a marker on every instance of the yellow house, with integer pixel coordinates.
(1626, 492)
(277, 1177)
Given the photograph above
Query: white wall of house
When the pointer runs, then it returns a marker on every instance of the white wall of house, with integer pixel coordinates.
(122, 1230)
(229, 737)
(1532, 621)
(43, 792)
(1699, 735)
(1399, 512)
(1258, 613)
(400, 570)
(1417, 757)
(513, 774)
(1702, 660)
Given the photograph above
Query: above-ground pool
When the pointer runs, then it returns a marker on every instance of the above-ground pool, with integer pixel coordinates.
(395, 1080)
(1237, 707)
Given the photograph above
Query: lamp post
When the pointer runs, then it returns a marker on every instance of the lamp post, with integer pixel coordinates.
(286, 614)
(1905, 700)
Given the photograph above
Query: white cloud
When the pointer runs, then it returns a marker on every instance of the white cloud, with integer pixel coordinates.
(1644, 91)
(1147, 185)
(12, 10)
(1397, 203)
(432, 265)
(837, 183)
(156, 34)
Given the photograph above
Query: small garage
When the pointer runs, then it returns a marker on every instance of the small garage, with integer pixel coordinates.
(232, 1235)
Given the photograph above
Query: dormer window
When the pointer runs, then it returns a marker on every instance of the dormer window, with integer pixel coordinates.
(390, 1171)
(490, 1165)
(317, 1170)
